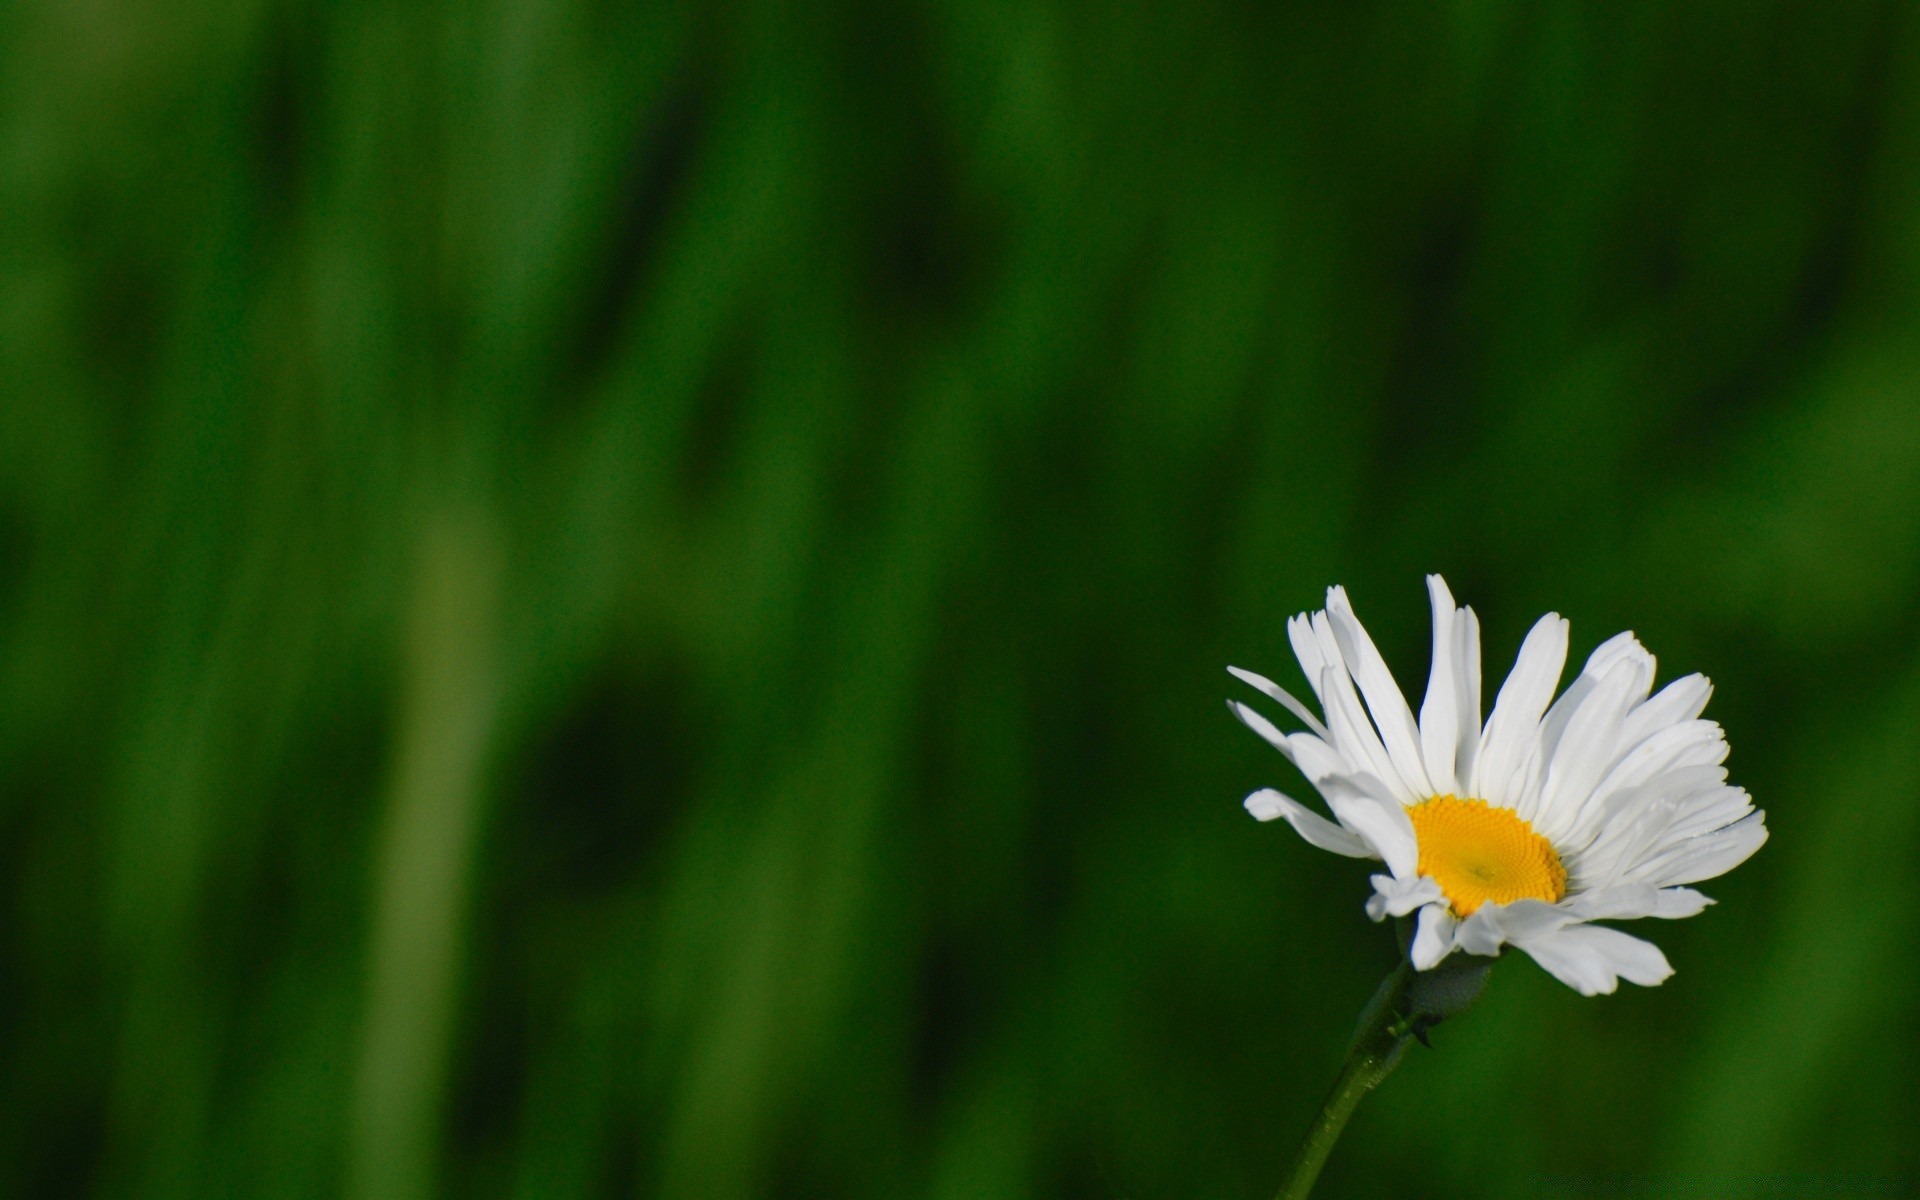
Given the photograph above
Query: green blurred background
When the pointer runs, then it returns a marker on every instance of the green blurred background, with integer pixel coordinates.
(631, 601)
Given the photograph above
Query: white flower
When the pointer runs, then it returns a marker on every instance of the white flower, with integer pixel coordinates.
(1522, 831)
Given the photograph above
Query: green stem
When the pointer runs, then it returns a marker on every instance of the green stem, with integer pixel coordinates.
(1377, 1045)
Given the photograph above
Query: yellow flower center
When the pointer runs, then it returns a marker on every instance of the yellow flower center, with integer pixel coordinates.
(1478, 853)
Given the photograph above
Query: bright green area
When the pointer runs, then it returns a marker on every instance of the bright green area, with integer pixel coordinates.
(605, 600)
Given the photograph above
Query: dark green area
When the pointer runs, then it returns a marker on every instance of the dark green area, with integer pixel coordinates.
(631, 601)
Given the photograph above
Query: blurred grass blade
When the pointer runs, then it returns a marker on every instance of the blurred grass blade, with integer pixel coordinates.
(423, 863)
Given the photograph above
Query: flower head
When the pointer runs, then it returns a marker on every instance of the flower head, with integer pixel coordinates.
(1554, 813)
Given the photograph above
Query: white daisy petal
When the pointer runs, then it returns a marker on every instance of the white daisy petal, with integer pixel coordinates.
(1440, 711)
(1621, 647)
(1432, 937)
(1707, 811)
(1364, 805)
(1481, 933)
(1588, 747)
(1592, 959)
(1636, 828)
(1276, 692)
(1676, 747)
(1527, 918)
(1639, 825)
(1316, 759)
(1267, 804)
(1466, 674)
(1354, 736)
(1680, 701)
(1512, 731)
(1306, 648)
(1635, 900)
(1678, 903)
(1573, 963)
(1635, 960)
(1385, 702)
(1398, 897)
(1494, 925)
(1706, 856)
(1260, 725)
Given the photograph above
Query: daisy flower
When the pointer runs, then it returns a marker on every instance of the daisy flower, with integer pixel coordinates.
(1553, 814)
